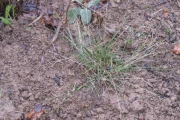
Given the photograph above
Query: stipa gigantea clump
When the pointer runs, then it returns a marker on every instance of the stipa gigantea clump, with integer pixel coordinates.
(104, 62)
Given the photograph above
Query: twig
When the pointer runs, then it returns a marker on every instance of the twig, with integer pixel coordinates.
(160, 3)
(156, 13)
(37, 19)
(67, 12)
(60, 24)
(57, 32)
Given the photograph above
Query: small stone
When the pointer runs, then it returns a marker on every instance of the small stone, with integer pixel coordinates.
(165, 67)
(178, 29)
(117, 1)
(49, 12)
(99, 110)
(138, 34)
(37, 95)
(25, 94)
(93, 113)
(178, 72)
(57, 80)
(158, 18)
(173, 38)
(25, 104)
(79, 115)
(7, 29)
(174, 98)
(113, 3)
(123, 110)
(31, 98)
(101, 116)
(177, 14)
(167, 102)
(140, 90)
(170, 23)
(137, 106)
(167, 94)
(147, 23)
(88, 115)
(174, 105)
(133, 97)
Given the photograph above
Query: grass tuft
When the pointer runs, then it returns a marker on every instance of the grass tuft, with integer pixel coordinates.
(105, 62)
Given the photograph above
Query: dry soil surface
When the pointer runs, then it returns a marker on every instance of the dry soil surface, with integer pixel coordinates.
(30, 69)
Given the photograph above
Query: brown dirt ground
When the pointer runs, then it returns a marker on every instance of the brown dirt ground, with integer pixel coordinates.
(28, 68)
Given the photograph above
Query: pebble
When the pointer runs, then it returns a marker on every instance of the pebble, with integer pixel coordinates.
(167, 102)
(117, 1)
(137, 106)
(174, 98)
(178, 29)
(113, 3)
(140, 91)
(25, 95)
(170, 23)
(138, 34)
(37, 95)
(174, 105)
(7, 29)
(79, 115)
(178, 72)
(93, 113)
(172, 38)
(99, 110)
(133, 97)
(57, 80)
(177, 14)
(124, 110)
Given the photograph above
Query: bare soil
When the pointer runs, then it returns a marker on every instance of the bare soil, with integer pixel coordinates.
(33, 73)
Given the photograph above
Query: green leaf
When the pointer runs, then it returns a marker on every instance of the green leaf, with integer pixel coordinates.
(72, 14)
(80, 87)
(13, 11)
(5, 21)
(86, 15)
(7, 12)
(93, 2)
(80, 1)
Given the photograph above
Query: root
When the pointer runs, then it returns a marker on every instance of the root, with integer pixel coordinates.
(41, 15)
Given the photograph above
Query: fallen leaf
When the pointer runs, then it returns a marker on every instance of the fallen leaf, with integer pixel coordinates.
(165, 14)
(176, 49)
(32, 115)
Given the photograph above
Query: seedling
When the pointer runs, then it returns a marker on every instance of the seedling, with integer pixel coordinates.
(168, 31)
(84, 11)
(6, 20)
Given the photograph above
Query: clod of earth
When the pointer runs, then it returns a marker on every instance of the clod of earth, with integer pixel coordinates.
(57, 80)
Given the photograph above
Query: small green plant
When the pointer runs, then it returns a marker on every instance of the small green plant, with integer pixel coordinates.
(128, 41)
(83, 11)
(167, 31)
(6, 20)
